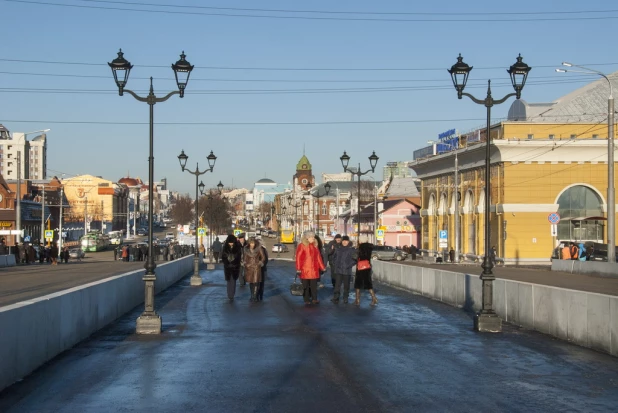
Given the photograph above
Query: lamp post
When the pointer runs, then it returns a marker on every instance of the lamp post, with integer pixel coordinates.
(318, 196)
(295, 203)
(611, 191)
(487, 320)
(279, 221)
(149, 322)
(373, 161)
(182, 158)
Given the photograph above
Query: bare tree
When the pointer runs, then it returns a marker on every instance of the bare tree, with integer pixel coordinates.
(182, 210)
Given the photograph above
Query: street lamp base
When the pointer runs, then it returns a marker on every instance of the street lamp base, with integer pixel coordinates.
(196, 280)
(487, 323)
(148, 324)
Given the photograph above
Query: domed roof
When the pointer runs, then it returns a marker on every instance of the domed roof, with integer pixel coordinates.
(265, 181)
(128, 181)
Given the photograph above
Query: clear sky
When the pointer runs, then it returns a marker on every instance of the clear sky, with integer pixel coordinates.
(235, 84)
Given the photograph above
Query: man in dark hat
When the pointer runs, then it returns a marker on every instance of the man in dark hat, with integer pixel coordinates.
(241, 241)
(331, 247)
(344, 259)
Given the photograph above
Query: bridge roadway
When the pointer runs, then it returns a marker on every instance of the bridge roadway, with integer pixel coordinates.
(408, 354)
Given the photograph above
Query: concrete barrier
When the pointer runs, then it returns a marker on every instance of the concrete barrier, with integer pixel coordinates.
(586, 319)
(599, 268)
(34, 331)
(7, 260)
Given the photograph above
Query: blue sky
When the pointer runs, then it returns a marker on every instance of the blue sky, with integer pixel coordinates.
(246, 153)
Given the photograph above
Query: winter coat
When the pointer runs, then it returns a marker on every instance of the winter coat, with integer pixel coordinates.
(253, 261)
(331, 247)
(217, 246)
(309, 260)
(231, 256)
(344, 259)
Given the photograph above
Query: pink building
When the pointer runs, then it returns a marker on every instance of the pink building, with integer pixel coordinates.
(401, 221)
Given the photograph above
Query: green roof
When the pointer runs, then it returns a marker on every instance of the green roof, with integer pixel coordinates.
(303, 161)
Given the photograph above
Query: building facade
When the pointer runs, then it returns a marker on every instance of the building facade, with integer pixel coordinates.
(32, 155)
(546, 158)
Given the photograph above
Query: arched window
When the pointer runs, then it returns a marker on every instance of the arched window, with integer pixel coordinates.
(469, 203)
(431, 207)
(442, 207)
(324, 208)
(581, 214)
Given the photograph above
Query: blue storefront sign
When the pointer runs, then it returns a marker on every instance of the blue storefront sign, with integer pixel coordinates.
(424, 152)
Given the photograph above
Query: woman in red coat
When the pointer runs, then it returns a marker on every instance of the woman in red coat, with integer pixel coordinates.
(308, 266)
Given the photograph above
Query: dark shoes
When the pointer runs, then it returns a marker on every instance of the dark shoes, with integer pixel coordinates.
(335, 300)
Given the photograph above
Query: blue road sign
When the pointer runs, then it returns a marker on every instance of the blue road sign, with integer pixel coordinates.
(26, 239)
(443, 234)
(553, 218)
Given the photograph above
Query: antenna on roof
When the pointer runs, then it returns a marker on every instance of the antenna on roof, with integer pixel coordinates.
(303, 149)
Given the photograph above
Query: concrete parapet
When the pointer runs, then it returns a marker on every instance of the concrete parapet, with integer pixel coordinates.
(37, 330)
(584, 318)
(599, 268)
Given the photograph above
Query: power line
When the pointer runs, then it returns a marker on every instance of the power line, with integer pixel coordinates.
(444, 80)
(276, 17)
(351, 12)
(440, 69)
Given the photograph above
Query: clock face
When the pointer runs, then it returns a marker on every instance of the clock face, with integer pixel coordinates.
(305, 166)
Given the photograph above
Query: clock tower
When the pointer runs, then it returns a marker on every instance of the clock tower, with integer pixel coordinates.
(303, 174)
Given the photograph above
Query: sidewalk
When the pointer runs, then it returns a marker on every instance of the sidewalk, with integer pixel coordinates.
(408, 354)
(581, 282)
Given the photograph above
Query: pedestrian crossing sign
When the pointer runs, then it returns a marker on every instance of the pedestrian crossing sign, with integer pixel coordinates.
(49, 234)
(237, 232)
(201, 231)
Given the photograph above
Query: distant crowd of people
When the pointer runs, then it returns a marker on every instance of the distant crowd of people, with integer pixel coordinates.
(29, 253)
(139, 252)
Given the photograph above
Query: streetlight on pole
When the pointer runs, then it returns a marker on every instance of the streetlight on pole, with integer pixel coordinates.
(318, 196)
(210, 226)
(280, 216)
(149, 322)
(373, 161)
(182, 158)
(611, 191)
(295, 203)
(487, 320)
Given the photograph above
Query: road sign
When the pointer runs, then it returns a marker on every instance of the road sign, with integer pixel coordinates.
(553, 218)
(237, 232)
(26, 239)
(49, 234)
(201, 231)
(380, 234)
(554, 230)
(443, 239)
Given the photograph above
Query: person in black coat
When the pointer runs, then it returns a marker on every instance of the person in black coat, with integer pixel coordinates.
(344, 259)
(231, 257)
(363, 281)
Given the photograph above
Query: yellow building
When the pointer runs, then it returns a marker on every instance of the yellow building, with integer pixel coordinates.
(546, 158)
(98, 200)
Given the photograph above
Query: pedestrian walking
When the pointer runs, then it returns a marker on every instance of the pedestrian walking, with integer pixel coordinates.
(344, 259)
(308, 266)
(216, 249)
(330, 250)
(242, 242)
(260, 294)
(363, 280)
(231, 257)
(116, 253)
(252, 262)
(65, 251)
(54, 254)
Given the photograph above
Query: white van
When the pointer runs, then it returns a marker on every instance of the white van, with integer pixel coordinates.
(169, 235)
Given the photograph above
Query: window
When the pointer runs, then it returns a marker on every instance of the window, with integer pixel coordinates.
(578, 207)
(573, 136)
(530, 136)
(595, 136)
(323, 209)
(552, 136)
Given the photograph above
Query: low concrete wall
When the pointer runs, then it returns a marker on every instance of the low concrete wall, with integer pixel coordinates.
(34, 331)
(600, 268)
(586, 319)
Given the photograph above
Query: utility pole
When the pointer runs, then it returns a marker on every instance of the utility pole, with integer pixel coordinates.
(86, 216)
(60, 240)
(375, 215)
(456, 195)
(102, 218)
(43, 217)
(18, 201)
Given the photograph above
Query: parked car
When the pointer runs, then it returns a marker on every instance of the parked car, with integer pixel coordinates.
(76, 253)
(280, 248)
(386, 252)
(272, 234)
(142, 231)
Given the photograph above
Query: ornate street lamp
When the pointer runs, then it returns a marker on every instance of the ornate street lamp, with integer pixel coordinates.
(183, 158)
(487, 320)
(149, 322)
(373, 161)
(295, 203)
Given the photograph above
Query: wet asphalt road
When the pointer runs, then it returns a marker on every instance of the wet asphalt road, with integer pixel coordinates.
(409, 354)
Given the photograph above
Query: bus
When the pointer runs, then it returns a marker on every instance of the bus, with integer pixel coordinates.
(287, 236)
(94, 241)
(116, 238)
